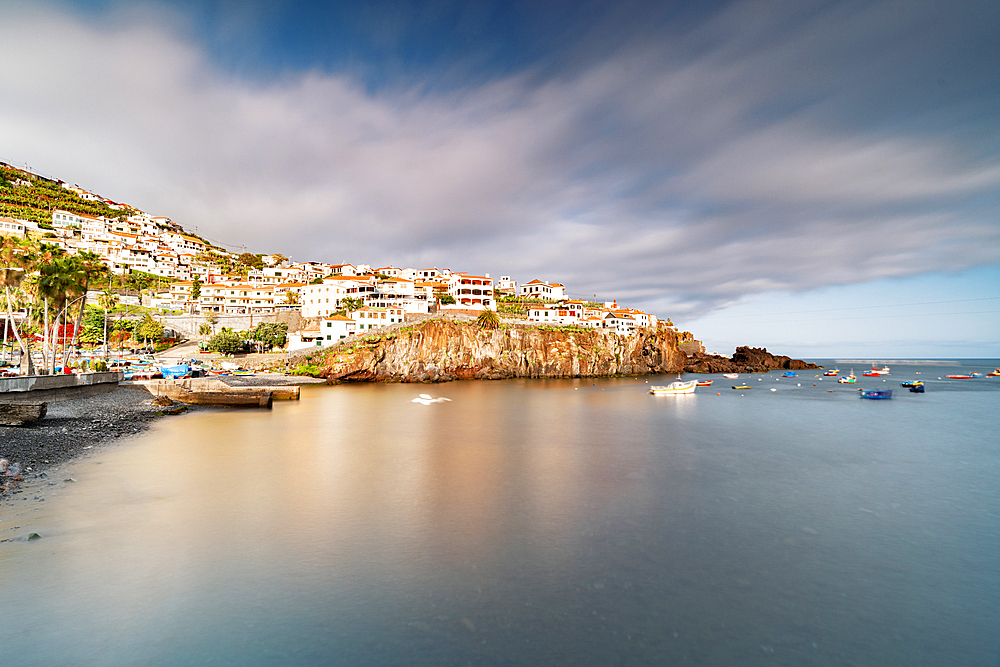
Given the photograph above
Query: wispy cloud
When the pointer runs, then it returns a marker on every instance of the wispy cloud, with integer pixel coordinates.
(752, 152)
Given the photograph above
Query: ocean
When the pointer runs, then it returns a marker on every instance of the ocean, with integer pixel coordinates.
(528, 522)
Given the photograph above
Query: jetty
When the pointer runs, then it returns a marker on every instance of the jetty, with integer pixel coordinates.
(213, 391)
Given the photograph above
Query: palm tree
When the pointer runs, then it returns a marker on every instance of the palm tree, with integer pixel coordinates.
(58, 280)
(17, 258)
(107, 301)
(88, 265)
(488, 319)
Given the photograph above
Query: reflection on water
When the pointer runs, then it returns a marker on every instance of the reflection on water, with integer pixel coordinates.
(549, 522)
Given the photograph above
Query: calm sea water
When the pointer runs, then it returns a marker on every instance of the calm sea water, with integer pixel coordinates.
(568, 522)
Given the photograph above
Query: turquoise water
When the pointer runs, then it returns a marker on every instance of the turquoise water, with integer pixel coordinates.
(563, 522)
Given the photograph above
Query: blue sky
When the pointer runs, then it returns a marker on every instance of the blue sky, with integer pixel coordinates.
(782, 174)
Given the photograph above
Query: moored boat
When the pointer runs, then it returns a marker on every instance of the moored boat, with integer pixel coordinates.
(875, 393)
(730, 376)
(917, 388)
(911, 383)
(788, 374)
(742, 386)
(848, 379)
(704, 383)
(676, 387)
(995, 372)
(833, 372)
(970, 376)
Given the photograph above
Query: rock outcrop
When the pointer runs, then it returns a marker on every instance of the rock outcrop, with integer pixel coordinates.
(440, 350)
(745, 360)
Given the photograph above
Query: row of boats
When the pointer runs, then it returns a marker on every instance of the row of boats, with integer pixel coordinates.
(148, 369)
(915, 386)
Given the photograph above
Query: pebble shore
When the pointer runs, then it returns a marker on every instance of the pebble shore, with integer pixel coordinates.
(73, 426)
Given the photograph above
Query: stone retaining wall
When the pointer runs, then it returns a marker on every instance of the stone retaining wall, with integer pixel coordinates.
(36, 388)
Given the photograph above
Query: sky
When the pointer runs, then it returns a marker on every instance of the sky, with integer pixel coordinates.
(818, 178)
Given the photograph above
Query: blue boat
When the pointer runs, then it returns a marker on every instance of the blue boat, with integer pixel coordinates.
(174, 372)
(917, 388)
(788, 374)
(876, 393)
(911, 383)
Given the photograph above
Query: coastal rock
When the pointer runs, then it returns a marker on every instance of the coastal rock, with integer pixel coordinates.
(744, 360)
(441, 350)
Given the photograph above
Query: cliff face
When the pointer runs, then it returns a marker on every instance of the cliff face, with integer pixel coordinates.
(442, 350)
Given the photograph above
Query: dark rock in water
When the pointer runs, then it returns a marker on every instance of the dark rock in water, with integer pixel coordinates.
(745, 360)
(18, 414)
(34, 536)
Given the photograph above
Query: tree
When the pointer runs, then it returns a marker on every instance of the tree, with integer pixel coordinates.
(488, 319)
(251, 261)
(291, 298)
(350, 304)
(270, 334)
(108, 301)
(277, 259)
(16, 259)
(196, 289)
(148, 329)
(447, 299)
(89, 265)
(226, 341)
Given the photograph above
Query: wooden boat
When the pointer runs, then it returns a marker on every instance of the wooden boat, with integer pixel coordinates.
(833, 372)
(730, 376)
(704, 383)
(995, 372)
(848, 379)
(876, 371)
(917, 388)
(911, 383)
(243, 371)
(677, 387)
(741, 386)
(875, 393)
(788, 374)
(970, 376)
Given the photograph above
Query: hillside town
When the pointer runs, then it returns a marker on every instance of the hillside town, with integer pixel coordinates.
(188, 274)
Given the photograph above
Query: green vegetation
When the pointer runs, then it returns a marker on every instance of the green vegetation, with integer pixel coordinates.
(226, 341)
(35, 202)
(447, 300)
(269, 334)
(488, 319)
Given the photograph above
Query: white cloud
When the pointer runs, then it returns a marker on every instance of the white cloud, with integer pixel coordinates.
(658, 177)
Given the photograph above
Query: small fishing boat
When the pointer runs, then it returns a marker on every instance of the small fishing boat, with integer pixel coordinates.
(677, 387)
(175, 372)
(995, 372)
(730, 376)
(878, 371)
(875, 393)
(788, 374)
(970, 376)
(917, 388)
(243, 371)
(147, 373)
(741, 386)
(848, 379)
(704, 383)
(833, 372)
(911, 383)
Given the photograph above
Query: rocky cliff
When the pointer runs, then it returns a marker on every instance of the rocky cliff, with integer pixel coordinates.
(441, 350)
(745, 360)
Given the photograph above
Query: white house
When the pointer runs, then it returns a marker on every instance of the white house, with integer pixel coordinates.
(335, 328)
(538, 289)
(368, 318)
(506, 286)
(553, 315)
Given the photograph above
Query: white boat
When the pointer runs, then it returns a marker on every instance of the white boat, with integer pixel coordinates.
(730, 376)
(677, 387)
